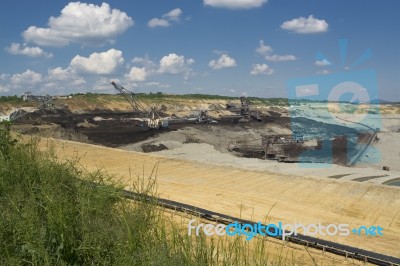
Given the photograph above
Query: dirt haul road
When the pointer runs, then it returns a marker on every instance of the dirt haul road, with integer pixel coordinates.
(254, 194)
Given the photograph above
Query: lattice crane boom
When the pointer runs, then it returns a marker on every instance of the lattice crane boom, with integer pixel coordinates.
(153, 120)
(130, 97)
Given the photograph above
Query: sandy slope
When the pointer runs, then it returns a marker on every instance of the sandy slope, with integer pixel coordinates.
(252, 194)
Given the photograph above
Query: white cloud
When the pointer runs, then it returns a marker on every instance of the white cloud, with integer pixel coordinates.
(323, 72)
(223, 62)
(156, 84)
(18, 49)
(137, 74)
(63, 77)
(4, 76)
(305, 25)
(151, 66)
(261, 69)
(143, 60)
(56, 80)
(176, 64)
(307, 90)
(322, 63)
(158, 22)
(98, 63)
(280, 58)
(235, 4)
(103, 84)
(268, 53)
(59, 79)
(28, 77)
(169, 64)
(139, 60)
(81, 23)
(174, 14)
(263, 49)
(3, 88)
(59, 73)
(219, 52)
(167, 18)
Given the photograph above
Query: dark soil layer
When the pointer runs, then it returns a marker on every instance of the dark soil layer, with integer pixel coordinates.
(114, 129)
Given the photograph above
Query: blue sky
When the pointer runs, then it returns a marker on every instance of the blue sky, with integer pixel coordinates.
(226, 47)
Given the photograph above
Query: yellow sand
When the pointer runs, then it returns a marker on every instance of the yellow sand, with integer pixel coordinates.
(252, 194)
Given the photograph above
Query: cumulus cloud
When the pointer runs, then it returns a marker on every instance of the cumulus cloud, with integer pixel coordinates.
(60, 77)
(280, 58)
(64, 86)
(59, 73)
(57, 79)
(145, 61)
(235, 4)
(176, 64)
(18, 49)
(305, 25)
(158, 22)
(137, 74)
(323, 72)
(261, 69)
(103, 84)
(98, 63)
(223, 62)
(144, 68)
(268, 53)
(4, 76)
(81, 23)
(322, 63)
(156, 84)
(150, 66)
(263, 49)
(28, 77)
(167, 18)
(174, 14)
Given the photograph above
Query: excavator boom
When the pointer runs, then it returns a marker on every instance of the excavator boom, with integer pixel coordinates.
(153, 120)
(130, 97)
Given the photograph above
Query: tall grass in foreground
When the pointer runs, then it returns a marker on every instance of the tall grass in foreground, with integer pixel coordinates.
(49, 217)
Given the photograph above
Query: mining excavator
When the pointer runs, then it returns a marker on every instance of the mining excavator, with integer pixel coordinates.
(244, 111)
(153, 119)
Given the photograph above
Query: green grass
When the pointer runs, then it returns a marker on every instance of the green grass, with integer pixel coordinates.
(49, 216)
(10, 99)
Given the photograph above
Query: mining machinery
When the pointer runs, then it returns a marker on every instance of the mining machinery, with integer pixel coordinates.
(244, 111)
(46, 101)
(153, 119)
(273, 145)
(203, 118)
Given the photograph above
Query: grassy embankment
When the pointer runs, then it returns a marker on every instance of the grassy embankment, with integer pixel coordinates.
(9, 102)
(49, 216)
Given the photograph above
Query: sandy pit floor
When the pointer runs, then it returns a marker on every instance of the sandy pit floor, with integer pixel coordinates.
(259, 194)
(386, 151)
(208, 146)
